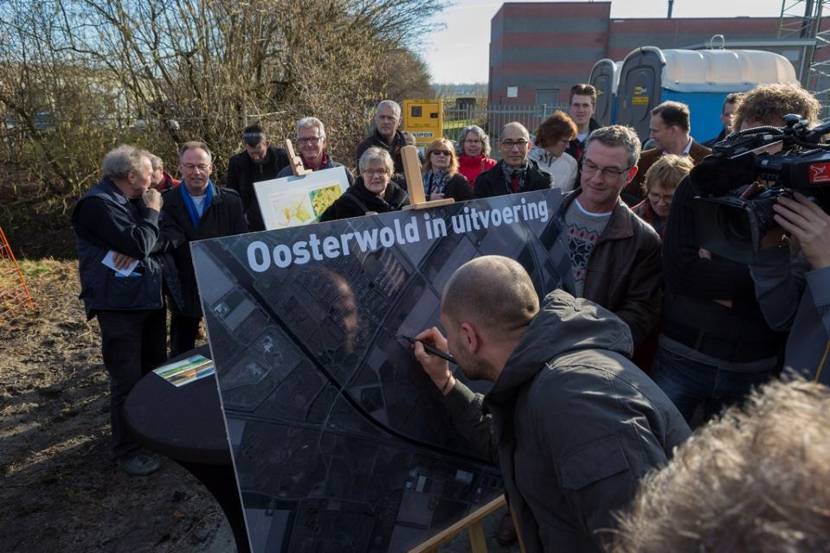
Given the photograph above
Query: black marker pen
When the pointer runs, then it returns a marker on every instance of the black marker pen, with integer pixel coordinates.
(431, 350)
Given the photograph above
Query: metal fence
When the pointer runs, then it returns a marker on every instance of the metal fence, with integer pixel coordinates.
(493, 117)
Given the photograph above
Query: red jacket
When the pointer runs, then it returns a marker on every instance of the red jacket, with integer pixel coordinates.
(168, 183)
(471, 167)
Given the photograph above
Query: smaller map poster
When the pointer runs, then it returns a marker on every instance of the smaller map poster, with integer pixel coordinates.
(293, 201)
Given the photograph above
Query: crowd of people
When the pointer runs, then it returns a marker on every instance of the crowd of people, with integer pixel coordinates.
(646, 337)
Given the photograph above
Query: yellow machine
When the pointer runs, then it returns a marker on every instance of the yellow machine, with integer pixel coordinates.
(424, 119)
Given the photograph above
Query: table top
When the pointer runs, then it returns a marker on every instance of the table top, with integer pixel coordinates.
(184, 423)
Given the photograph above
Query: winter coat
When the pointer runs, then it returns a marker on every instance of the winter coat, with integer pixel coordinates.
(243, 172)
(472, 166)
(456, 188)
(223, 217)
(493, 182)
(377, 141)
(573, 423)
(624, 273)
(357, 201)
(104, 219)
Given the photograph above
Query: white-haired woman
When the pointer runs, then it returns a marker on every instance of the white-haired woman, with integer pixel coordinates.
(475, 159)
(374, 190)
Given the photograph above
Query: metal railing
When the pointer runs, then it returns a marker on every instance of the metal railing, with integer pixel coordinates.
(493, 117)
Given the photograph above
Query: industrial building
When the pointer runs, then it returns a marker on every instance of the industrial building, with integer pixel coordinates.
(538, 50)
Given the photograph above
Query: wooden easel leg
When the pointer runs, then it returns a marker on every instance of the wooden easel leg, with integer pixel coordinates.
(478, 542)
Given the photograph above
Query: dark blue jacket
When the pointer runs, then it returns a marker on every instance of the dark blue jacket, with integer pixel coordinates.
(104, 219)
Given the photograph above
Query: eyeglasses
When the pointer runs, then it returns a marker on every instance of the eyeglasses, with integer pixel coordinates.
(441, 152)
(510, 144)
(608, 173)
(472, 141)
(370, 172)
(656, 197)
(309, 140)
(203, 167)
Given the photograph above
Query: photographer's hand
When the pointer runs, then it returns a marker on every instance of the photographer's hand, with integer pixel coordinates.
(809, 224)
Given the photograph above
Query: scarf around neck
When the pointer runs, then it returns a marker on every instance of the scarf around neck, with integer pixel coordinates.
(191, 206)
(514, 172)
(435, 182)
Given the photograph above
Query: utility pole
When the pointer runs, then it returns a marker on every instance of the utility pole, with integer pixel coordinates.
(671, 5)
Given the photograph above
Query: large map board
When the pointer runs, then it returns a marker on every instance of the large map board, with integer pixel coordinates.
(340, 442)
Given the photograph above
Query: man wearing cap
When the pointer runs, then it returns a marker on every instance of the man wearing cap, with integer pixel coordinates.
(260, 161)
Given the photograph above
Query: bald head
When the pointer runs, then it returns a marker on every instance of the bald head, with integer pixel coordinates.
(493, 292)
(515, 128)
(514, 144)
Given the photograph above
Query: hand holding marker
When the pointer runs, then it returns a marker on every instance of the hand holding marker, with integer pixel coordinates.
(431, 350)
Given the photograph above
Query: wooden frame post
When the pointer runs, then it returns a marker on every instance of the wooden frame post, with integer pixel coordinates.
(415, 182)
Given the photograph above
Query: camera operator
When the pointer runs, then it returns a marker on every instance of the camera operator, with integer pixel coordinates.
(793, 287)
(715, 343)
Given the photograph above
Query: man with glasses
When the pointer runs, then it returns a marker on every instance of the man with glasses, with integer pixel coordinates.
(260, 161)
(313, 148)
(515, 172)
(196, 210)
(606, 253)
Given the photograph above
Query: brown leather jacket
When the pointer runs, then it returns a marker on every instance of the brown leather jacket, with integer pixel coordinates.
(633, 192)
(625, 273)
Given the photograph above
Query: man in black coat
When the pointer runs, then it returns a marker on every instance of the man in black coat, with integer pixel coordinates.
(386, 135)
(122, 275)
(515, 172)
(260, 161)
(196, 210)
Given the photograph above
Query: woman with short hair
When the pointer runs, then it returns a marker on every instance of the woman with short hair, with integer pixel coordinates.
(474, 147)
(373, 191)
(441, 176)
(552, 139)
(660, 182)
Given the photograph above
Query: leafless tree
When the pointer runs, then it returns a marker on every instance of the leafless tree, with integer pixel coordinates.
(82, 75)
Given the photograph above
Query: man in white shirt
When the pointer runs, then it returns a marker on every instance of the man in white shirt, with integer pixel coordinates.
(670, 129)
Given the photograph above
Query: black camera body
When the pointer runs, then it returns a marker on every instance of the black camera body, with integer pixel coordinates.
(740, 182)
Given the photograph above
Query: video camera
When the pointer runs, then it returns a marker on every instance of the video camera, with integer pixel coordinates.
(741, 180)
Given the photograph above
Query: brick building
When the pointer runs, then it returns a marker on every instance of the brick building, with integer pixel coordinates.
(538, 50)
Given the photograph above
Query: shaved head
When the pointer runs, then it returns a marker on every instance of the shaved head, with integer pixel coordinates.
(493, 292)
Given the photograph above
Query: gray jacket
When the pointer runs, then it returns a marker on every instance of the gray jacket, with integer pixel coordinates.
(573, 423)
(794, 298)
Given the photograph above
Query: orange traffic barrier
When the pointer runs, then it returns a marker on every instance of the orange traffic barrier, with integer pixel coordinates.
(14, 293)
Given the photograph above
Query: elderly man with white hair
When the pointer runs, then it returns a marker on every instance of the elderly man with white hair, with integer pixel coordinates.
(386, 134)
(312, 146)
(515, 172)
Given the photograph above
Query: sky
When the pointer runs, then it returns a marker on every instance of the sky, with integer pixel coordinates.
(459, 52)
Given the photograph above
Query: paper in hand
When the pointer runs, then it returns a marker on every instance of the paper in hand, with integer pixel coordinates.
(109, 261)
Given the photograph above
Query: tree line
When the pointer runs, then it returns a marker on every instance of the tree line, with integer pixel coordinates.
(80, 76)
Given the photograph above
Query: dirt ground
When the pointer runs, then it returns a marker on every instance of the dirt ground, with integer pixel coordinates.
(59, 491)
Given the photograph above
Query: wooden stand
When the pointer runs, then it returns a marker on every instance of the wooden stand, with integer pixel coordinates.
(415, 182)
(294, 160)
(473, 524)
